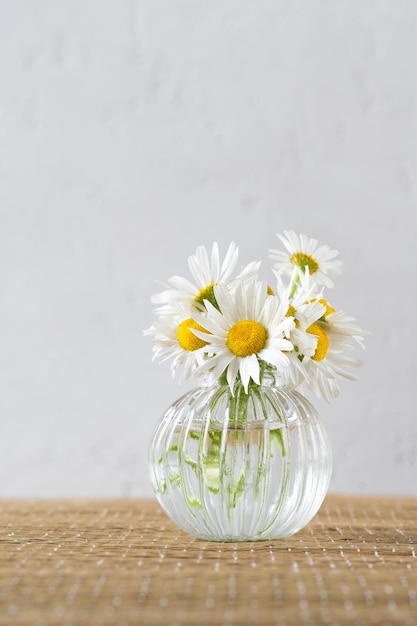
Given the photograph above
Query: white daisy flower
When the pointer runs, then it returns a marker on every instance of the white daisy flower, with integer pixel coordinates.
(207, 272)
(305, 310)
(174, 340)
(336, 334)
(303, 254)
(251, 326)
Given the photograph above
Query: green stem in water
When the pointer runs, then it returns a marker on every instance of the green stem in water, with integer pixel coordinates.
(211, 461)
(215, 466)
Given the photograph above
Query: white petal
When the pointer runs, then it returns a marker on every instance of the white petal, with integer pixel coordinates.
(229, 262)
(249, 368)
(232, 371)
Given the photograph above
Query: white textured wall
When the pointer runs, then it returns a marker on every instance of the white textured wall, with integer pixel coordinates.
(130, 133)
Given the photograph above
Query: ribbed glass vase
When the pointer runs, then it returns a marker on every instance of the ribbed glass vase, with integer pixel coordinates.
(241, 466)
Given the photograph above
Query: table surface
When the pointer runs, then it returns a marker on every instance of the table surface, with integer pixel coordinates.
(122, 562)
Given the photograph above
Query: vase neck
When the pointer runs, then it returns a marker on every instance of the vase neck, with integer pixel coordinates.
(268, 378)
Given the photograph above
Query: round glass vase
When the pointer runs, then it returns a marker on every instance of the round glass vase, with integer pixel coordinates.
(241, 466)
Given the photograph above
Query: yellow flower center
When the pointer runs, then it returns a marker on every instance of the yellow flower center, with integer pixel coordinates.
(303, 260)
(246, 337)
(270, 291)
(206, 293)
(291, 311)
(322, 341)
(329, 309)
(186, 338)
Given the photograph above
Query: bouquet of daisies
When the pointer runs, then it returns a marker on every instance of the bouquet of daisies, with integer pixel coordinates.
(236, 327)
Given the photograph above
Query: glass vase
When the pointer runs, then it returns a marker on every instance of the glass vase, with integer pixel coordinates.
(242, 466)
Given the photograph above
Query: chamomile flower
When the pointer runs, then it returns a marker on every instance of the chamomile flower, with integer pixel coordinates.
(336, 334)
(174, 339)
(304, 255)
(248, 327)
(206, 272)
(305, 310)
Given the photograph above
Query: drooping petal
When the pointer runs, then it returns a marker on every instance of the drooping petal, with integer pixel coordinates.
(249, 368)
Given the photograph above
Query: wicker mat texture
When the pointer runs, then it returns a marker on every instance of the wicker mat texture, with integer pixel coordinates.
(122, 562)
